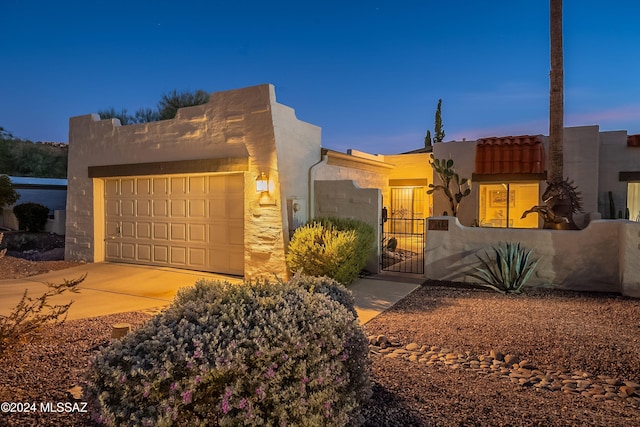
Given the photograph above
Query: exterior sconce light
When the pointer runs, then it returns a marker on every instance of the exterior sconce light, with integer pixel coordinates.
(262, 183)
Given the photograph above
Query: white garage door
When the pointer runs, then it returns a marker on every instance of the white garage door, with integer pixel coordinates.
(184, 221)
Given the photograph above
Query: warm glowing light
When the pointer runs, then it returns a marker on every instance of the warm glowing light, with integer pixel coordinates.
(262, 183)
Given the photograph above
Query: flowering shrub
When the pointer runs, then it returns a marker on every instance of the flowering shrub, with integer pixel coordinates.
(225, 354)
(333, 247)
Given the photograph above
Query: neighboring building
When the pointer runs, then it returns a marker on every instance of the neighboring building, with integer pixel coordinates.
(508, 175)
(49, 192)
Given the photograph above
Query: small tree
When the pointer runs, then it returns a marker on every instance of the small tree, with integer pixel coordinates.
(449, 177)
(170, 102)
(438, 130)
(167, 108)
(8, 195)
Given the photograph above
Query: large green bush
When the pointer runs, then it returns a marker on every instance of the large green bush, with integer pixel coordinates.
(333, 247)
(238, 354)
(31, 216)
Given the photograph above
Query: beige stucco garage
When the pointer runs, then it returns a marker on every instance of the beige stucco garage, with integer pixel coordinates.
(183, 192)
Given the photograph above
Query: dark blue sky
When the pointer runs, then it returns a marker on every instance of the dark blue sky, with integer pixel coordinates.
(368, 72)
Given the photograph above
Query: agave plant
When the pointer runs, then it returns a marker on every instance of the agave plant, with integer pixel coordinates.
(508, 271)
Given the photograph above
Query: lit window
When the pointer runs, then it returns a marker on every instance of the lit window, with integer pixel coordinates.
(502, 204)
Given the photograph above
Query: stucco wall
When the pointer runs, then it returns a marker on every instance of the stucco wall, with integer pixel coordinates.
(615, 156)
(297, 149)
(345, 199)
(364, 178)
(602, 257)
(233, 124)
(581, 160)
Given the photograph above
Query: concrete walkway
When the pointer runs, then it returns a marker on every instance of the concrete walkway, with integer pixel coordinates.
(117, 288)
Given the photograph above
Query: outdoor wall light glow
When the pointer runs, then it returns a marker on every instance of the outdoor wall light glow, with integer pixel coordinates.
(262, 183)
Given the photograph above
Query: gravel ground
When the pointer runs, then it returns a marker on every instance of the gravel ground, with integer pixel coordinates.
(598, 334)
(593, 333)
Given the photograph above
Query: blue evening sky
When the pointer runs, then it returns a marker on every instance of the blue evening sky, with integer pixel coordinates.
(368, 72)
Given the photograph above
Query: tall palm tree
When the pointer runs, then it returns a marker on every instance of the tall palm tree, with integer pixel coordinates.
(556, 94)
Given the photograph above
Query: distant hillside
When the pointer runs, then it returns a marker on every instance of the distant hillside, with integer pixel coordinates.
(20, 157)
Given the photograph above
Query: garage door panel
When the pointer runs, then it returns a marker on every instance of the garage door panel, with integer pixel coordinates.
(127, 187)
(197, 185)
(143, 187)
(218, 234)
(143, 230)
(186, 221)
(160, 208)
(112, 249)
(144, 253)
(178, 232)
(178, 255)
(197, 208)
(235, 210)
(217, 208)
(178, 186)
(197, 233)
(236, 261)
(111, 187)
(235, 184)
(178, 208)
(198, 257)
(236, 234)
(128, 229)
(112, 228)
(112, 208)
(128, 251)
(161, 254)
(161, 231)
(160, 187)
(143, 207)
(127, 207)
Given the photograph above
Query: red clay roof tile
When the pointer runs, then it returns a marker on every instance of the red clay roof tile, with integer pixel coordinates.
(510, 154)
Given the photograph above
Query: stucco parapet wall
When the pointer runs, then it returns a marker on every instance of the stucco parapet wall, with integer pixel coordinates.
(233, 133)
(335, 158)
(602, 257)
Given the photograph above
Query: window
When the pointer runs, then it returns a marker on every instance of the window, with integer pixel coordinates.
(502, 204)
(633, 200)
(407, 203)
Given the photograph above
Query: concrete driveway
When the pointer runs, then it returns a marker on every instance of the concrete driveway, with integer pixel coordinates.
(118, 288)
(108, 288)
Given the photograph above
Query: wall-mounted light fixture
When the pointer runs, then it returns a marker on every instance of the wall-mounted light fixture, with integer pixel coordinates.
(262, 183)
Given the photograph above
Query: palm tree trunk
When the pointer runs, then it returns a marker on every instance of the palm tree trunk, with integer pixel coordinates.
(556, 94)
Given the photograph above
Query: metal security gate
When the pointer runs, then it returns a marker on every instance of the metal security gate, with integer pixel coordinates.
(402, 248)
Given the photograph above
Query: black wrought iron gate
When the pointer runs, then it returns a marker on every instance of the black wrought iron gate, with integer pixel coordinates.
(402, 248)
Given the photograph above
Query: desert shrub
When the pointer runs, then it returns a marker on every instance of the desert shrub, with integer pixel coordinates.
(32, 313)
(31, 216)
(333, 247)
(508, 270)
(237, 354)
(327, 286)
